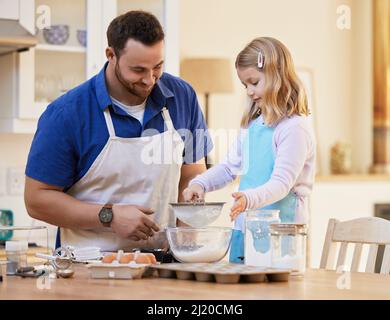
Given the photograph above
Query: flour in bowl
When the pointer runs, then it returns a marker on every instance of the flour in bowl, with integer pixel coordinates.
(203, 254)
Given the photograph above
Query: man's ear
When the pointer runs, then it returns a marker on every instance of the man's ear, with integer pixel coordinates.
(110, 53)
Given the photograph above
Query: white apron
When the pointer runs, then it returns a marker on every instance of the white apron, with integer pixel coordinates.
(139, 171)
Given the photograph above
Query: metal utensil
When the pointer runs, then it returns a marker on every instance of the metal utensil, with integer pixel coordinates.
(29, 272)
(66, 273)
(197, 214)
(61, 259)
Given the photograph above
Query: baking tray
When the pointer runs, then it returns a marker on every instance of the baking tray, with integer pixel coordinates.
(220, 272)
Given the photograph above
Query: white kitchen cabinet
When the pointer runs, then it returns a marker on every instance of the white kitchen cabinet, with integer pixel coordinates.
(17, 71)
(9, 9)
(35, 78)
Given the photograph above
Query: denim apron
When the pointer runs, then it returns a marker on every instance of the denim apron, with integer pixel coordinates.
(258, 163)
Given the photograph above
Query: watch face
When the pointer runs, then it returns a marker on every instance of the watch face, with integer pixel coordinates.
(105, 215)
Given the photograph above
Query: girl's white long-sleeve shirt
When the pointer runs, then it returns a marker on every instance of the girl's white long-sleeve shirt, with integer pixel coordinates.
(294, 148)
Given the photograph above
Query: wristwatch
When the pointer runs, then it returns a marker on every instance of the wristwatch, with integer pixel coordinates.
(106, 215)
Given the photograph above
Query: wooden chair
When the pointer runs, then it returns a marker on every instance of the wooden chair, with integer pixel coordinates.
(371, 231)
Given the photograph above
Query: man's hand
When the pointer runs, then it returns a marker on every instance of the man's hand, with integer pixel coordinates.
(193, 193)
(238, 206)
(132, 222)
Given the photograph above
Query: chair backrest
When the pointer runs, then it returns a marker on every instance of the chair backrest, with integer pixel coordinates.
(370, 231)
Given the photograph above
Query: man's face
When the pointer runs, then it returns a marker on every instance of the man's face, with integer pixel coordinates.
(139, 67)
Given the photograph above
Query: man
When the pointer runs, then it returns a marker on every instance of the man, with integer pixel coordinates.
(92, 166)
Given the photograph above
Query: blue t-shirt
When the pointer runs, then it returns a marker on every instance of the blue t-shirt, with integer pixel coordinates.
(72, 131)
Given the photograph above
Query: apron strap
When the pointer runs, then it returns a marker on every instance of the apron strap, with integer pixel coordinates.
(110, 125)
(167, 119)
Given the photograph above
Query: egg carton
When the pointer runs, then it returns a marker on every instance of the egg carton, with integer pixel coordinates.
(221, 272)
(116, 270)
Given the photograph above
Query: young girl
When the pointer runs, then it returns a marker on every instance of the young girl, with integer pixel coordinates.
(275, 151)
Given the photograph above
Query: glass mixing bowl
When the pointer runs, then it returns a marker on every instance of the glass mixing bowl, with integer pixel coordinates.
(197, 245)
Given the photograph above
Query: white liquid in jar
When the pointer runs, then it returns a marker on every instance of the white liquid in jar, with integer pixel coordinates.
(254, 257)
(258, 243)
(295, 263)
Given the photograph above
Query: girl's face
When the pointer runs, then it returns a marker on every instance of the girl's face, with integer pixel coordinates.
(253, 81)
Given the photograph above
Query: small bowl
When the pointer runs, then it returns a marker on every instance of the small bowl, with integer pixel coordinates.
(82, 37)
(56, 34)
(199, 245)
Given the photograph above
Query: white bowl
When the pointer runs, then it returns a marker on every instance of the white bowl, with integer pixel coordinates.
(82, 37)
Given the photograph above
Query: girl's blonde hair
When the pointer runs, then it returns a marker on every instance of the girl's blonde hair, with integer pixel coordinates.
(284, 94)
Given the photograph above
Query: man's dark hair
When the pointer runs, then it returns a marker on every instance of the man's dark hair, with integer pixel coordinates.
(141, 26)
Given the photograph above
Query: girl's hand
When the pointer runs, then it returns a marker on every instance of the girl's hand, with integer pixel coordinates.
(195, 192)
(238, 206)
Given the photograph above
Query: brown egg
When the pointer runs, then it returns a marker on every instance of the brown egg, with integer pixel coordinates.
(109, 258)
(152, 258)
(142, 259)
(126, 258)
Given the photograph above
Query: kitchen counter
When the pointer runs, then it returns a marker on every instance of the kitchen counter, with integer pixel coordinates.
(316, 284)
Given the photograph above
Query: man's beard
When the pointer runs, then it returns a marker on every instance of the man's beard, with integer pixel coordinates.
(131, 88)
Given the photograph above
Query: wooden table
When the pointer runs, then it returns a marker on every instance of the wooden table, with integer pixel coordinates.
(316, 284)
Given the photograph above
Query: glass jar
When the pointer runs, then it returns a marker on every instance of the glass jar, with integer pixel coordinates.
(16, 252)
(288, 247)
(257, 246)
